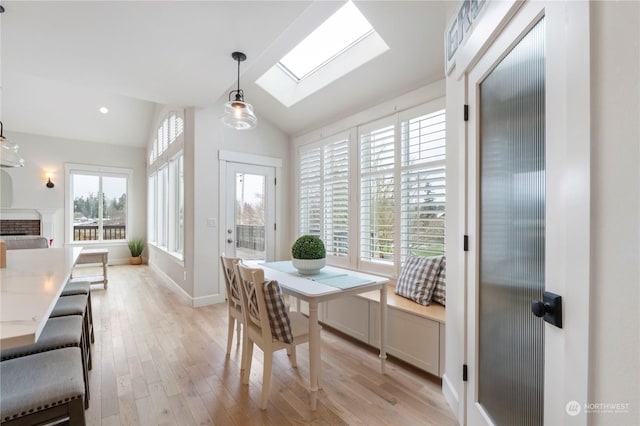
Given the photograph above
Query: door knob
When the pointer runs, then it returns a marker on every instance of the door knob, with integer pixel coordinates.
(550, 307)
(540, 308)
(229, 240)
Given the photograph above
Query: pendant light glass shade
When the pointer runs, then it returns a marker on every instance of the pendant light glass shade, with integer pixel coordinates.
(238, 114)
(9, 156)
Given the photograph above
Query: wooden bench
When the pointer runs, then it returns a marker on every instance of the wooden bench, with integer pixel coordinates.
(97, 255)
(434, 312)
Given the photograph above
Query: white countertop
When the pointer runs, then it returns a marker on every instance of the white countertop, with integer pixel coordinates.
(29, 288)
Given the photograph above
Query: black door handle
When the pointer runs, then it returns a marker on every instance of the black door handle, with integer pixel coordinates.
(550, 308)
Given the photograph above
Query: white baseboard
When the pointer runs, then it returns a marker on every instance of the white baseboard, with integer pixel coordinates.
(207, 300)
(123, 261)
(450, 394)
(173, 285)
(195, 302)
(111, 261)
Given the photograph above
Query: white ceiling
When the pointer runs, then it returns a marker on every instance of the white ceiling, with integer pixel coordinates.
(63, 60)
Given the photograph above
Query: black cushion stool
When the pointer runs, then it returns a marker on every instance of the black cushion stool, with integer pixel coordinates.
(58, 333)
(42, 388)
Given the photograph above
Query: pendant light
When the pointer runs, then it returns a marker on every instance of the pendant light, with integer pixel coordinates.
(238, 113)
(9, 156)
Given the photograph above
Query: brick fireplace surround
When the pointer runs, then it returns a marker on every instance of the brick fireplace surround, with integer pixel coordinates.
(19, 227)
(32, 221)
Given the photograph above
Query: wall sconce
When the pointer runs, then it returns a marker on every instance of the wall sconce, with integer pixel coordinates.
(49, 184)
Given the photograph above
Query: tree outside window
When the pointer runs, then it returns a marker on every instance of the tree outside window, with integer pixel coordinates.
(99, 206)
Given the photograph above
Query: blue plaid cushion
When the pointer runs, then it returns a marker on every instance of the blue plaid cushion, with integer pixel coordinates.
(440, 291)
(418, 278)
(277, 312)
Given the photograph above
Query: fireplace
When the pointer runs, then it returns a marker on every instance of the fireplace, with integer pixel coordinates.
(19, 227)
(27, 222)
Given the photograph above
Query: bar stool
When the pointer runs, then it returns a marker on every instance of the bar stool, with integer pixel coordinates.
(80, 286)
(42, 388)
(75, 305)
(58, 333)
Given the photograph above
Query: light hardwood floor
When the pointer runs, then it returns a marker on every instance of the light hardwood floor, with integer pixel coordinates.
(157, 360)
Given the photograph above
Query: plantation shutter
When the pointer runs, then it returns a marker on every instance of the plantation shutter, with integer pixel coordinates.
(423, 190)
(310, 214)
(336, 197)
(377, 159)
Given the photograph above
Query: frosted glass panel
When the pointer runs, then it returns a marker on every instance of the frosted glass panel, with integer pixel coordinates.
(512, 227)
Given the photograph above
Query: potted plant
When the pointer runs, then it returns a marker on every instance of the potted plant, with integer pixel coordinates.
(136, 247)
(308, 254)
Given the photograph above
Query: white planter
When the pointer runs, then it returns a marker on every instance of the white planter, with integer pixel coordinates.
(309, 266)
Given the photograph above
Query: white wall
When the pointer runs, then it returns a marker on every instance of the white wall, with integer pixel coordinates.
(45, 154)
(615, 124)
(205, 136)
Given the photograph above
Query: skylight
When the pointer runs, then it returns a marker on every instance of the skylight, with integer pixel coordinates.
(337, 34)
(341, 44)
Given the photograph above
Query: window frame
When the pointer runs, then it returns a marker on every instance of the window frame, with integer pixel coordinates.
(398, 170)
(72, 169)
(165, 225)
(320, 202)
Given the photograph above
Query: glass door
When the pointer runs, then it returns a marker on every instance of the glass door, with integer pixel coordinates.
(527, 219)
(512, 234)
(250, 206)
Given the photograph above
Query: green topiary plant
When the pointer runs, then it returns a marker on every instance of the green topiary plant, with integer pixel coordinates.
(308, 247)
(136, 247)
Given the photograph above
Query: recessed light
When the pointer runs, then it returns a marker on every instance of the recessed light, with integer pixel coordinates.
(103, 110)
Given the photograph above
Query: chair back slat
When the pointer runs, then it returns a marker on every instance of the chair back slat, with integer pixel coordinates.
(231, 281)
(254, 306)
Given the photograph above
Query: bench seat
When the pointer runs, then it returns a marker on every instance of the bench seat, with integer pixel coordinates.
(434, 311)
(415, 333)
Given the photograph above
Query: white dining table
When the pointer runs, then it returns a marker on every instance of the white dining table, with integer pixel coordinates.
(29, 289)
(314, 292)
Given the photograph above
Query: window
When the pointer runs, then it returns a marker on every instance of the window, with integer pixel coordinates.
(377, 179)
(97, 203)
(166, 186)
(324, 193)
(335, 35)
(399, 205)
(167, 133)
(336, 197)
(343, 43)
(423, 185)
(310, 198)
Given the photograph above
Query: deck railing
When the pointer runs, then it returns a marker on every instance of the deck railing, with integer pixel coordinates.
(91, 232)
(250, 237)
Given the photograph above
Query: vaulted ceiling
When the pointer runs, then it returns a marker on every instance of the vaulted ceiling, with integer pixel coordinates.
(61, 61)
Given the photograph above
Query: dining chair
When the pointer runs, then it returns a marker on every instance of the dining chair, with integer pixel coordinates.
(267, 324)
(234, 305)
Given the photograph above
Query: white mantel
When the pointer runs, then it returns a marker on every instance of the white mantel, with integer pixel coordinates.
(46, 216)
